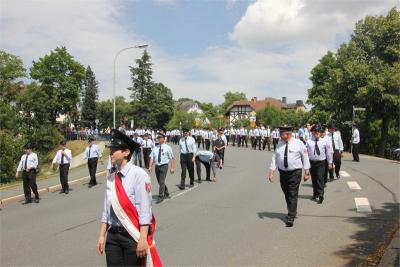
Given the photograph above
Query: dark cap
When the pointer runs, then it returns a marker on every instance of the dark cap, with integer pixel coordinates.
(317, 128)
(28, 146)
(285, 128)
(185, 130)
(91, 138)
(160, 134)
(121, 141)
(332, 126)
(63, 142)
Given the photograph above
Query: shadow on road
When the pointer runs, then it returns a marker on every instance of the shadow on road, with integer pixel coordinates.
(377, 230)
(272, 215)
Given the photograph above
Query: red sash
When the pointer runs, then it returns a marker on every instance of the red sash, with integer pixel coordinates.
(131, 212)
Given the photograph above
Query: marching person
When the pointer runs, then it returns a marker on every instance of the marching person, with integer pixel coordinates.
(318, 152)
(92, 154)
(219, 148)
(266, 134)
(63, 159)
(188, 149)
(147, 149)
(355, 141)
(28, 165)
(290, 157)
(161, 156)
(243, 133)
(127, 217)
(275, 137)
(337, 146)
(137, 154)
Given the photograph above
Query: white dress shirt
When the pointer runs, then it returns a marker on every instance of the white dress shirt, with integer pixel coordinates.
(67, 156)
(191, 145)
(31, 162)
(297, 156)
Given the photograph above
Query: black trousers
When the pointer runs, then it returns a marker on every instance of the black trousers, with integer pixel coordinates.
(317, 172)
(198, 168)
(161, 174)
(29, 182)
(198, 140)
(64, 169)
(187, 164)
(233, 140)
(253, 142)
(265, 143)
(355, 152)
(92, 165)
(121, 249)
(258, 141)
(290, 182)
(227, 139)
(146, 156)
(207, 143)
(239, 140)
(244, 140)
(137, 156)
(337, 161)
(275, 141)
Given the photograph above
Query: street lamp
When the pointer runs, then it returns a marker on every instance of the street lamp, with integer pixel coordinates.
(114, 80)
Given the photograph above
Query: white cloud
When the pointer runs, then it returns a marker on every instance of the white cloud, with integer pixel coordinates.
(270, 23)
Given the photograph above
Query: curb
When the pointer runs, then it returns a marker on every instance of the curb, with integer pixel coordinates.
(51, 189)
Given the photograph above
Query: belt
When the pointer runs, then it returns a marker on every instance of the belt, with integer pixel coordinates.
(289, 171)
(29, 170)
(162, 165)
(117, 229)
(317, 161)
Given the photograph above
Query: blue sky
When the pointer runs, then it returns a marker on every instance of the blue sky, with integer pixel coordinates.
(200, 49)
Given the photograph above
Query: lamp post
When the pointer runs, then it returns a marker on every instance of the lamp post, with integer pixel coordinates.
(114, 80)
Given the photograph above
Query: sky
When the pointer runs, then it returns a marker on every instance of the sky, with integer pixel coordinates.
(200, 49)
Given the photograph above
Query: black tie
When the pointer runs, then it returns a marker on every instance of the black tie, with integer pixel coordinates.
(316, 147)
(90, 147)
(62, 158)
(187, 149)
(285, 159)
(159, 154)
(333, 143)
(146, 143)
(26, 162)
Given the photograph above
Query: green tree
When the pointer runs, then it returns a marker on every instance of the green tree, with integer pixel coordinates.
(181, 118)
(231, 97)
(11, 69)
(141, 77)
(61, 78)
(105, 112)
(364, 72)
(90, 93)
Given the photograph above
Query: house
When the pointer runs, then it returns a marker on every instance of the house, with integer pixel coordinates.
(242, 108)
(190, 107)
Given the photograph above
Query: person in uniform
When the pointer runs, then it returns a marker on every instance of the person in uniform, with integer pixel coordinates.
(266, 136)
(290, 157)
(63, 159)
(252, 138)
(147, 148)
(355, 142)
(137, 154)
(92, 154)
(337, 146)
(207, 159)
(161, 156)
(28, 165)
(219, 148)
(127, 217)
(275, 137)
(188, 149)
(243, 133)
(318, 152)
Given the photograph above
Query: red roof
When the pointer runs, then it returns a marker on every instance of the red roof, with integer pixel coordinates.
(257, 105)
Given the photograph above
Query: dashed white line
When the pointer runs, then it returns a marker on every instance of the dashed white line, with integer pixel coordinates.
(344, 174)
(363, 205)
(353, 185)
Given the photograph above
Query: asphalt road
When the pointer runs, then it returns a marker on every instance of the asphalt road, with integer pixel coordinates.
(237, 220)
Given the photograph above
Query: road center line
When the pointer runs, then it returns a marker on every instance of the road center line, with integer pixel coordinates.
(363, 205)
(353, 185)
(181, 193)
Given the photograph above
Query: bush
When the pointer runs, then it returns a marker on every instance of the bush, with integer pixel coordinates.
(11, 151)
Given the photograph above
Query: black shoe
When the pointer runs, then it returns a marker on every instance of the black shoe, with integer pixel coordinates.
(192, 185)
(331, 179)
(37, 200)
(208, 180)
(314, 197)
(289, 222)
(62, 192)
(181, 187)
(338, 176)
(199, 181)
(167, 196)
(320, 200)
(27, 202)
(67, 191)
(90, 185)
(159, 200)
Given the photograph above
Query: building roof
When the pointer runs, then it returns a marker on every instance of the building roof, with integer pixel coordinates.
(187, 105)
(261, 104)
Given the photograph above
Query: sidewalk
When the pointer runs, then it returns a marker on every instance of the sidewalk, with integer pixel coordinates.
(77, 172)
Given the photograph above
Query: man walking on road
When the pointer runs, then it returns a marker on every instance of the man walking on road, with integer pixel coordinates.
(162, 155)
(188, 149)
(290, 166)
(92, 154)
(337, 146)
(28, 165)
(355, 140)
(63, 159)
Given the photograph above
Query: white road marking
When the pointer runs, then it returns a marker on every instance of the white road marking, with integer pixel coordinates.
(362, 204)
(344, 174)
(181, 193)
(353, 185)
